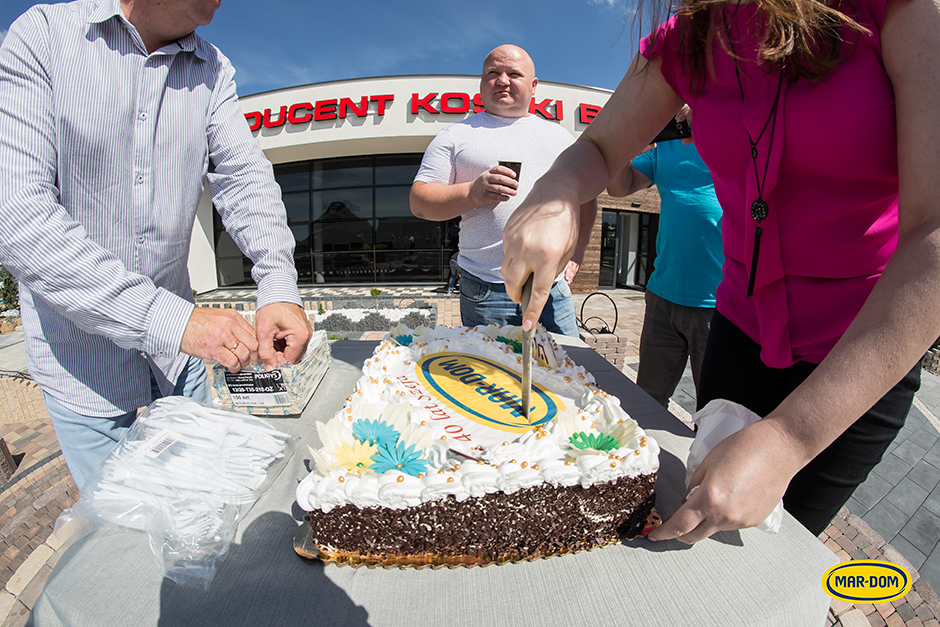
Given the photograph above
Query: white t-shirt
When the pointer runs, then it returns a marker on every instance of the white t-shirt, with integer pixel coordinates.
(466, 149)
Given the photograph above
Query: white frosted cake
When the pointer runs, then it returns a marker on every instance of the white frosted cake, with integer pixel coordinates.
(431, 460)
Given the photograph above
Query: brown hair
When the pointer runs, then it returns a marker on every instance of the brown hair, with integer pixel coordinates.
(804, 37)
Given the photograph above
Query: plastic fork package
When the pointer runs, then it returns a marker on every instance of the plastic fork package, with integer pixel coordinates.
(284, 391)
(185, 473)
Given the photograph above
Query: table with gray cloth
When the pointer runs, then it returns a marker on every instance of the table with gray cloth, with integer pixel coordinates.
(735, 578)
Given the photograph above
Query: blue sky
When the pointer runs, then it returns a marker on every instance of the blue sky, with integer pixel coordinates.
(276, 44)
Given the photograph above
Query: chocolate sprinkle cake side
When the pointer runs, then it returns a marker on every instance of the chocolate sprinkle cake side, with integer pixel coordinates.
(532, 522)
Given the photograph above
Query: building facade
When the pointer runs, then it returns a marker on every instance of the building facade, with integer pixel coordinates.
(345, 154)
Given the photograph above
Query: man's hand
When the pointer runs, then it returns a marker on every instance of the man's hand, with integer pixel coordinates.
(495, 185)
(222, 335)
(571, 271)
(283, 333)
(685, 113)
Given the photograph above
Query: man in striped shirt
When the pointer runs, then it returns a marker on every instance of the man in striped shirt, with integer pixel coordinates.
(113, 116)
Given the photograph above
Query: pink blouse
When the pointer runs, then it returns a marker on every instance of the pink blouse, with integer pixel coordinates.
(831, 183)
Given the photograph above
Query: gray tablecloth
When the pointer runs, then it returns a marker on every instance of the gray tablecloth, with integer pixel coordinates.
(736, 578)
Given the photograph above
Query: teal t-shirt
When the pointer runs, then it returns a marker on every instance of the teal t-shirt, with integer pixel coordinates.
(689, 253)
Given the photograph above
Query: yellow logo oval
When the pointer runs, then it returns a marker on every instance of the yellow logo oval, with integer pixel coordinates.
(866, 581)
(486, 392)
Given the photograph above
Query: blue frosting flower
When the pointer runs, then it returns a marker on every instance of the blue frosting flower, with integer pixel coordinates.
(397, 457)
(375, 432)
(404, 340)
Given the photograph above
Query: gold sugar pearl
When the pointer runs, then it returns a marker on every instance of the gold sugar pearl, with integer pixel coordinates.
(349, 410)
(539, 436)
(398, 466)
(505, 443)
(512, 461)
(481, 462)
(443, 437)
(567, 462)
(359, 392)
(441, 471)
(567, 378)
(384, 368)
(424, 423)
(456, 466)
(342, 479)
(642, 441)
(581, 376)
(613, 464)
(494, 465)
(535, 466)
(636, 452)
(420, 475)
(400, 479)
(450, 479)
(524, 464)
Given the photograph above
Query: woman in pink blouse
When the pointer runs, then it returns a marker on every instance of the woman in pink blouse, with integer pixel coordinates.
(812, 128)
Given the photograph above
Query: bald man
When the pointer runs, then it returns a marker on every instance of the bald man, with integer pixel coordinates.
(460, 176)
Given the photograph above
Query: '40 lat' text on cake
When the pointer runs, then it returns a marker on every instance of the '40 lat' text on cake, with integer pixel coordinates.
(431, 460)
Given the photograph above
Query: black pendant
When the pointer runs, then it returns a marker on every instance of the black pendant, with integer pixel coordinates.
(753, 151)
(759, 209)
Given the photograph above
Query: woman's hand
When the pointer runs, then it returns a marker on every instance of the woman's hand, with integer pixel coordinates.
(739, 483)
(538, 240)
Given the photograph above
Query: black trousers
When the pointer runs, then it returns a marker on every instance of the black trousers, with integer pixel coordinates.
(732, 370)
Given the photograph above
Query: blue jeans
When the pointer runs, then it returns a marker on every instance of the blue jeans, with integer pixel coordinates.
(87, 440)
(482, 303)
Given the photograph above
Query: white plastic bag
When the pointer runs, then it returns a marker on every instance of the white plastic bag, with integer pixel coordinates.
(716, 421)
(185, 473)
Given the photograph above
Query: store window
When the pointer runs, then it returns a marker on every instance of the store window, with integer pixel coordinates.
(352, 224)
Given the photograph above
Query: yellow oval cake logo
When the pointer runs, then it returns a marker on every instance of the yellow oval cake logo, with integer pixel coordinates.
(486, 392)
(866, 581)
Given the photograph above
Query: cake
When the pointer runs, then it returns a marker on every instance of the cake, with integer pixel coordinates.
(432, 462)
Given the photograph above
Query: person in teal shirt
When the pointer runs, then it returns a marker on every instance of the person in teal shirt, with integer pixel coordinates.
(680, 293)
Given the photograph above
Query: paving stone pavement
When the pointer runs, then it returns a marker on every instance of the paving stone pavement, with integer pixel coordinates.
(894, 516)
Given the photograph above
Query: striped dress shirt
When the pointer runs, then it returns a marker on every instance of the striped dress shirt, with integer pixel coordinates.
(104, 152)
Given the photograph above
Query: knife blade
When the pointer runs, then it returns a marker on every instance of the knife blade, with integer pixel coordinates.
(527, 337)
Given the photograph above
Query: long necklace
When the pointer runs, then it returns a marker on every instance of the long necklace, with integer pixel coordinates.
(759, 208)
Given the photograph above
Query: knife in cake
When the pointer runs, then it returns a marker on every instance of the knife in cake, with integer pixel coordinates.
(527, 337)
